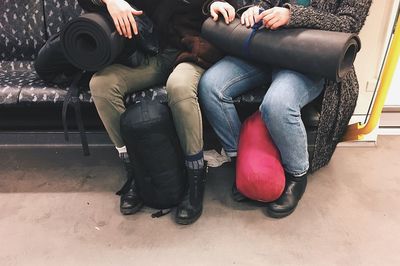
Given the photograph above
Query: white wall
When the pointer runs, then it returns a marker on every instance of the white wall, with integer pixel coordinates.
(374, 37)
(393, 98)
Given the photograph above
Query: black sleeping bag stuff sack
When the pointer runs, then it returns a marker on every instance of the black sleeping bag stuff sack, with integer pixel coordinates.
(149, 134)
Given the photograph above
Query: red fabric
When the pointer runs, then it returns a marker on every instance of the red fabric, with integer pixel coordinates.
(259, 172)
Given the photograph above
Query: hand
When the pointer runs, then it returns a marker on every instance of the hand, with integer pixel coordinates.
(274, 18)
(249, 16)
(123, 16)
(224, 9)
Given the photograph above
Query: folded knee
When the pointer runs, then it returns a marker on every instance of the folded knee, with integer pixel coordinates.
(178, 90)
(208, 86)
(278, 111)
(106, 85)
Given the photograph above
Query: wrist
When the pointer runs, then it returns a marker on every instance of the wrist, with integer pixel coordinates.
(289, 8)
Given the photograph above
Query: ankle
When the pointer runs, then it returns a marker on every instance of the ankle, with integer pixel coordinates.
(195, 162)
(123, 154)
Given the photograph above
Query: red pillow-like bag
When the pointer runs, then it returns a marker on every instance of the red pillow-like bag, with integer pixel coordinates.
(259, 172)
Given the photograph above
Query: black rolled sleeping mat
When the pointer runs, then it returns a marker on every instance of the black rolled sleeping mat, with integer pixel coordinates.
(325, 53)
(90, 42)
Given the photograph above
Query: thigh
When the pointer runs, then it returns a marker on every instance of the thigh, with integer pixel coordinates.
(152, 72)
(231, 77)
(293, 88)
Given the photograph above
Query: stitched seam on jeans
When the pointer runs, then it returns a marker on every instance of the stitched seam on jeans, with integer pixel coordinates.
(229, 121)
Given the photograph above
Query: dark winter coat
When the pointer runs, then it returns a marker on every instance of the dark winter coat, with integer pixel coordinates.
(179, 22)
(339, 99)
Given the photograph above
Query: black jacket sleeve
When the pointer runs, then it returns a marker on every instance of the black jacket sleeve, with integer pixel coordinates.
(91, 5)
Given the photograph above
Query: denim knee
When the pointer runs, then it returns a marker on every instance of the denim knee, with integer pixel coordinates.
(278, 110)
(208, 88)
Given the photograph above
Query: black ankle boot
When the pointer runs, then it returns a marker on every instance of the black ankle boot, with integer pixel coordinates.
(191, 207)
(237, 195)
(287, 202)
(130, 202)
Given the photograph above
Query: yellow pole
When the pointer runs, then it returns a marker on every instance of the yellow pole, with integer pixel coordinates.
(358, 131)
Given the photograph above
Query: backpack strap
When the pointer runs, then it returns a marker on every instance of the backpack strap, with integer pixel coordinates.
(72, 98)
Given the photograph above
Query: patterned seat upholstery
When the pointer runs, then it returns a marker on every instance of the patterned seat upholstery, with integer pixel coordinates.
(22, 33)
(58, 13)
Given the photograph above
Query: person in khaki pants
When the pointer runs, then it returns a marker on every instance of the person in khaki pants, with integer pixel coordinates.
(179, 23)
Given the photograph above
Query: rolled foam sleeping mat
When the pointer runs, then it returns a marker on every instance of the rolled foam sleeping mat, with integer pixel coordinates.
(325, 53)
(90, 42)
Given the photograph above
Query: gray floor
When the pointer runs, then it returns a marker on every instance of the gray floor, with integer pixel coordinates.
(59, 208)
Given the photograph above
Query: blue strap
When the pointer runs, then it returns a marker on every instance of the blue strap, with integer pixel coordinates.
(255, 28)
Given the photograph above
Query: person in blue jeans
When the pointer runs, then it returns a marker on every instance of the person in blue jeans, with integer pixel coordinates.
(288, 93)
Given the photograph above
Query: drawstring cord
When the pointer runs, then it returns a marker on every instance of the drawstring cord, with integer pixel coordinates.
(255, 28)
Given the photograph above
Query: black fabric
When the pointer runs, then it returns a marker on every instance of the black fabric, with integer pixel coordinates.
(153, 147)
(51, 65)
(91, 42)
(324, 53)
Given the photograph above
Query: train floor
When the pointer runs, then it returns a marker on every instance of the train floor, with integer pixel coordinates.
(58, 207)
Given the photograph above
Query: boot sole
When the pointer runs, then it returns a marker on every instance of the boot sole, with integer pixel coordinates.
(187, 221)
(130, 211)
(279, 215)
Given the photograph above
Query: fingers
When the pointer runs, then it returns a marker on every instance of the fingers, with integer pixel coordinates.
(225, 9)
(270, 20)
(231, 13)
(249, 17)
(116, 23)
(270, 23)
(136, 12)
(127, 27)
(247, 21)
(251, 20)
(126, 23)
(224, 13)
(263, 14)
(268, 17)
(122, 25)
(278, 24)
(214, 15)
(133, 24)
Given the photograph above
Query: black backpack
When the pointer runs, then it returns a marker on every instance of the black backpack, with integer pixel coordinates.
(149, 134)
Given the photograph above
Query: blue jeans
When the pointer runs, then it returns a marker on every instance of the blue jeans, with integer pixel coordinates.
(280, 109)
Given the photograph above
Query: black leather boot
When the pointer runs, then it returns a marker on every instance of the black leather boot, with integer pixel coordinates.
(237, 195)
(287, 202)
(191, 207)
(130, 202)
